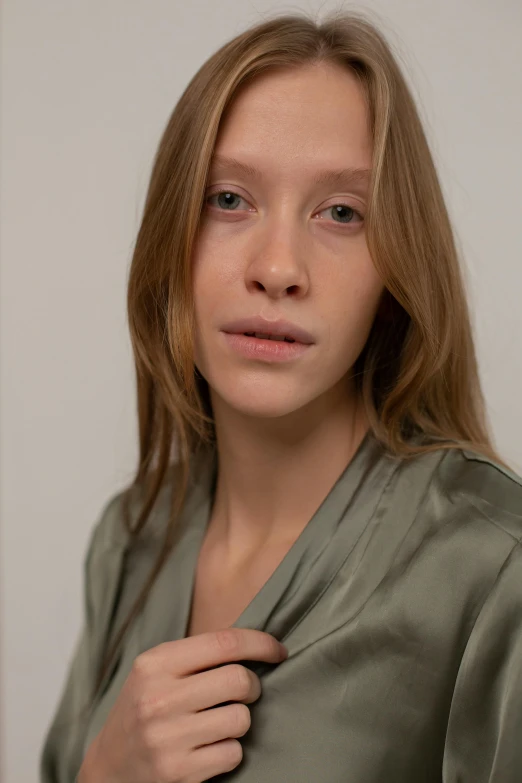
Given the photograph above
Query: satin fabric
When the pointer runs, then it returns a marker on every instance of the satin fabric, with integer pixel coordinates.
(401, 607)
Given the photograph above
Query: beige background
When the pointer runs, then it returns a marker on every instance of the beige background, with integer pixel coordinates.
(86, 90)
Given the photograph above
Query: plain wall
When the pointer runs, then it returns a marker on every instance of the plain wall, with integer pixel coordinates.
(86, 91)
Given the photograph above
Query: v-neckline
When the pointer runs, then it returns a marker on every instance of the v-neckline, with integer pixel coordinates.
(305, 550)
(298, 580)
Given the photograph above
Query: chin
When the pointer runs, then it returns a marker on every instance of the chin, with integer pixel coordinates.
(262, 404)
(265, 411)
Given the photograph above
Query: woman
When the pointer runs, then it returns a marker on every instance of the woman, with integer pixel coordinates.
(302, 339)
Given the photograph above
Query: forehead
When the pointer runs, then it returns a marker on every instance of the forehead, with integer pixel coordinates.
(312, 116)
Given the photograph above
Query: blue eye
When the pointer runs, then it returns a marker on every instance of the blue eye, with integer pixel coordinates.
(225, 199)
(347, 214)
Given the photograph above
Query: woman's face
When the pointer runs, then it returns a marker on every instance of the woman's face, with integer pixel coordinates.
(282, 245)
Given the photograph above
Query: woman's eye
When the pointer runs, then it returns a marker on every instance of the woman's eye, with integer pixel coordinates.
(226, 199)
(342, 213)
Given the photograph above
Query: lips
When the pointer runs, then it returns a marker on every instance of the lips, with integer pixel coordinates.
(266, 351)
(275, 338)
(260, 326)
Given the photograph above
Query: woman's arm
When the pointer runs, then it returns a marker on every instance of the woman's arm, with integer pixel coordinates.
(62, 751)
(484, 738)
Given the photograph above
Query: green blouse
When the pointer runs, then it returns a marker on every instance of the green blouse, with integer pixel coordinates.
(400, 604)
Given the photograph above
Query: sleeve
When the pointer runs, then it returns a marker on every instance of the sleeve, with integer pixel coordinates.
(484, 735)
(62, 752)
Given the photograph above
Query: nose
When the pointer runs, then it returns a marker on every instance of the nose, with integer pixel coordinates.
(278, 264)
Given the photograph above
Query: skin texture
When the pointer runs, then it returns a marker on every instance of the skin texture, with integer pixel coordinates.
(280, 249)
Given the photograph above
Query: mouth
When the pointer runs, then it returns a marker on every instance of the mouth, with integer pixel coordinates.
(262, 329)
(265, 348)
(277, 337)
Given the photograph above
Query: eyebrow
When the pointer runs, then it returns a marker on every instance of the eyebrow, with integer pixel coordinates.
(347, 176)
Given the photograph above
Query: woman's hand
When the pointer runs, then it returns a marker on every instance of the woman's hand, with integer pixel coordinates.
(160, 729)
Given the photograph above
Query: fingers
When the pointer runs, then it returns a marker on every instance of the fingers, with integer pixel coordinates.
(205, 651)
(233, 682)
(232, 720)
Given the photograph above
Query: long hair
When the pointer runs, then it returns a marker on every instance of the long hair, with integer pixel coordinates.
(416, 377)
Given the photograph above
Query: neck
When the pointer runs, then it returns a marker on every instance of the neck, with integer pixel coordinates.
(273, 476)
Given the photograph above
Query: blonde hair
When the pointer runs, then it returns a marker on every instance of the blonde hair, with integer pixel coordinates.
(418, 380)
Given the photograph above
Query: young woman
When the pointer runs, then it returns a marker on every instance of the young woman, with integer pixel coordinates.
(315, 465)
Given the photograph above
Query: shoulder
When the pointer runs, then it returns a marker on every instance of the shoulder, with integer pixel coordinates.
(463, 537)
(446, 480)
(111, 532)
(491, 492)
(463, 514)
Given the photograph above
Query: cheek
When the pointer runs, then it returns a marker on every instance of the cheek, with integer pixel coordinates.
(354, 313)
(205, 282)
(214, 269)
